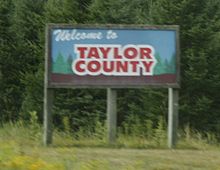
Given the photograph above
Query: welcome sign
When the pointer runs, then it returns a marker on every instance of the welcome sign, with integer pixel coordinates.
(112, 56)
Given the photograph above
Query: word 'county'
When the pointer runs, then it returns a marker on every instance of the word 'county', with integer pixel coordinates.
(129, 60)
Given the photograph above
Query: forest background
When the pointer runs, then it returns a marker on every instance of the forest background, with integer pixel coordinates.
(22, 46)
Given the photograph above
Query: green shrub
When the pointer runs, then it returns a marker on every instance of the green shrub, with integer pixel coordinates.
(160, 133)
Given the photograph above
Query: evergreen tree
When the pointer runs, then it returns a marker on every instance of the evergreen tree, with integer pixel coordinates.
(22, 59)
(198, 21)
(27, 51)
(63, 11)
(160, 67)
(60, 65)
(121, 12)
(172, 65)
(8, 105)
(69, 64)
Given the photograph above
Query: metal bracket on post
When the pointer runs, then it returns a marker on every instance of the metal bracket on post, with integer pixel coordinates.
(111, 114)
(172, 117)
(48, 103)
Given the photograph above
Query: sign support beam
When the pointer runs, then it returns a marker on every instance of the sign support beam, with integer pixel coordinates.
(48, 104)
(111, 115)
(173, 95)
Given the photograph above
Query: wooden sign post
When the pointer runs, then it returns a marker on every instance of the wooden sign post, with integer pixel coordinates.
(111, 115)
(48, 104)
(172, 117)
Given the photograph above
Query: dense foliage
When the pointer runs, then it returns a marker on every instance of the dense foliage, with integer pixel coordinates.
(22, 60)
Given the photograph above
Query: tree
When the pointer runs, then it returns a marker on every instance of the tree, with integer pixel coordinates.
(121, 12)
(69, 64)
(59, 66)
(22, 59)
(26, 52)
(198, 22)
(160, 68)
(64, 11)
(8, 91)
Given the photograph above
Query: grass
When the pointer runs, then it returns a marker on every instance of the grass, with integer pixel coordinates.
(105, 158)
(21, 149)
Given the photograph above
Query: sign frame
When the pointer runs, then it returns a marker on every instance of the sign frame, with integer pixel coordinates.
(50, 27)
(49, 87)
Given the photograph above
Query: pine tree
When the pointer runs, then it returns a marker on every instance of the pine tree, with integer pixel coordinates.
(160, 67)
(199, 22)
(60, 65)
(172, 65)
(121, 12)
(27, 52)
(22, 59)
(62, 11)
(7, 88)
(69, 64)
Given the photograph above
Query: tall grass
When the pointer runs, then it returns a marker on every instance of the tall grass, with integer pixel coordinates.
(193, 139)
(132, 134)
(21, 141)
(135, 134)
